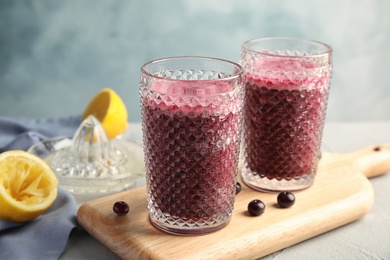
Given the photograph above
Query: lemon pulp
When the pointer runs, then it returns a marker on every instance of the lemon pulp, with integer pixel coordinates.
(28, 186)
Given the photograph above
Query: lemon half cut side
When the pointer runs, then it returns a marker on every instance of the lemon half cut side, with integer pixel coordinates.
(28, 187)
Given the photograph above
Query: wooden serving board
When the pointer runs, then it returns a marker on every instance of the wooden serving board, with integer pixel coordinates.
(340, 194)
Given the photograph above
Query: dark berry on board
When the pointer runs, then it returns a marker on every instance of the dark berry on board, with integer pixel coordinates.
(238, 188)
(121, 208)
(256, 207)
(286, 199)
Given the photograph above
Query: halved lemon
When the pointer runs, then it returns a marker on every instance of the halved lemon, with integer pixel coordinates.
(28, 187)
(110, 110)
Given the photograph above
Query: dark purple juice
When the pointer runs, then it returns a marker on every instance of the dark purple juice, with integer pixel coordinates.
(192, 156)
(283, 126)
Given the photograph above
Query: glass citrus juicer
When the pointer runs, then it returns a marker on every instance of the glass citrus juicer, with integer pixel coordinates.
(90, 165)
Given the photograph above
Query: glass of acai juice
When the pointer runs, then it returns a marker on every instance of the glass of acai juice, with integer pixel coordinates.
(287, 85)
(191, 118)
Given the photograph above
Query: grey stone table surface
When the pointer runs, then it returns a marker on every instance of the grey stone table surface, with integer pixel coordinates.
(366, 238)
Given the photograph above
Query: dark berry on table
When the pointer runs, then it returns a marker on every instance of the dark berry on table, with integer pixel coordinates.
(286, 199)
(256, 207)
(377, 149)
(121, 208)
(238, 187)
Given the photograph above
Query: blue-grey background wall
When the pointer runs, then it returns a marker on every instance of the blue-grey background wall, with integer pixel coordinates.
(56, 55)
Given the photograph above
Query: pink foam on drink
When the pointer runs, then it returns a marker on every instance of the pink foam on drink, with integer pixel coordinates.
(284, 73)
(193, 96)
(191, 87)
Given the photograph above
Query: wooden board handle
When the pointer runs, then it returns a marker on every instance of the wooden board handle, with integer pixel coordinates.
(371, 161)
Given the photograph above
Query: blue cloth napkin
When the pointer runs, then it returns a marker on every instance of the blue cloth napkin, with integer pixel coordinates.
(46, 236)
(42, 238)
(20, 134)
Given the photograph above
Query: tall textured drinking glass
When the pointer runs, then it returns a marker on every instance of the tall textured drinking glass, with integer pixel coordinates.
(191, 121)
(287, 84)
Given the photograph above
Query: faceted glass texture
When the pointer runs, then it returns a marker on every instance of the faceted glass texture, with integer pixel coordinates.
(191, 145)
(286, 97)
